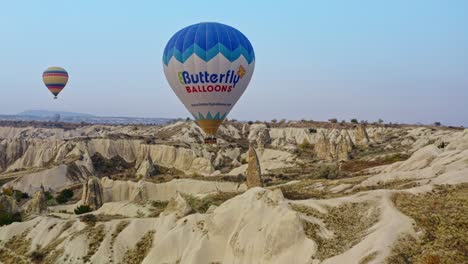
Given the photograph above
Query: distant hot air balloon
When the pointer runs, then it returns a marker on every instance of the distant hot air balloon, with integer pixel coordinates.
(55, 78)
(209, 65)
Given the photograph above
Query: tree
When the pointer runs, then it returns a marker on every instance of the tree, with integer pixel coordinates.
(64, 196)
(380, 121)
(274, 121)
(437, 124)
(354, 121)
(333, 120)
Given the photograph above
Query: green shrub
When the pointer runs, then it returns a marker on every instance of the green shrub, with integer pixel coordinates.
(82, 209)
(37, 256)
(48, 195)
(8, 218)
(354, 121)
(64, 196)
(305, 144)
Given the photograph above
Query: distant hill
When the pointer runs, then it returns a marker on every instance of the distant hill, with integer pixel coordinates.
(76, 118)
(47, 113)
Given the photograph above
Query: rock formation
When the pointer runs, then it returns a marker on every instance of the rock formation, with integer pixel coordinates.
(8, 204)
(92, 193)
(322, 147)
(178, 206)
(254, 171)
(38, 203)
(361, 137)
(146, 168)
(335, 146)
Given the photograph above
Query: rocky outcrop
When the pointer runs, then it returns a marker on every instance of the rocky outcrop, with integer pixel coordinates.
(38, 204)
(8, 204)
(291, 136)
(361, 137)
(178, 206)
(322, 147)
(334, 146)
(254, 178)
(55, 178)
(146, 169)
(227, 157)
(92, 193)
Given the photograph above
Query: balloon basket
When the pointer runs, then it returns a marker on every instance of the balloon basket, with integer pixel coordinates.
(55, 97)
(210, 140)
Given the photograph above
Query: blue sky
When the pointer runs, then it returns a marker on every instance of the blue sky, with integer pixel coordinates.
(402, 61)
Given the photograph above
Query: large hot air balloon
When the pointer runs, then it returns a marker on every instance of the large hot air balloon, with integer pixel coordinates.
(55, 78)
(209, 65)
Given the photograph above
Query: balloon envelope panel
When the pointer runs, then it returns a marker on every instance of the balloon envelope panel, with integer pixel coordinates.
(209, 65)
(55, 78)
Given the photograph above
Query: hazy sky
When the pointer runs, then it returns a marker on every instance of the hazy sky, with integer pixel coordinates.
(403, 61)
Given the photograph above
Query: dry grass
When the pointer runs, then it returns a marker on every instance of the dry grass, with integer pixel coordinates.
(357, 165)
(95, 237)
(16, 249)
(142, 248)
(368, 258)
(157, 207)
(442, 215)
(201, 205)
(118, 229)
(349, 223)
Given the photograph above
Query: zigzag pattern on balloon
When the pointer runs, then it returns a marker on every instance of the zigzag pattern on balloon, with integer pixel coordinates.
(209, 54)
(209, 116)
(206, 40)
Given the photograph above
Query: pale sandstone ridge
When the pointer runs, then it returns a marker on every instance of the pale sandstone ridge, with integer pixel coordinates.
(254, 172)
(116, 191)
(92, 193)
(177, 206)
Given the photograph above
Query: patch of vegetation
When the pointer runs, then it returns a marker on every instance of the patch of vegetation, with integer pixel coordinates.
(7, 218)
(118, 229)
(37, 256)
(89, 219)
(367, 259)
(361, 164)
(95, 238)
(349, 223)
(64, 196)
(108, 167)
(305, 144)
(443, 218)
(16, 249)
(201, 205)
(142, 248)
(8, 257)
(82, 209)
(157, 207)
(17, 194)
(296, 192)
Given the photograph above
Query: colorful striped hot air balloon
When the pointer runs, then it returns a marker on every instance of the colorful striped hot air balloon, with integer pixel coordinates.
(55, 78)
(208, 66)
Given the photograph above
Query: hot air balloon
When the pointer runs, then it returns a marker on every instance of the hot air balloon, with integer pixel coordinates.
(55, 78)
(208, 66)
